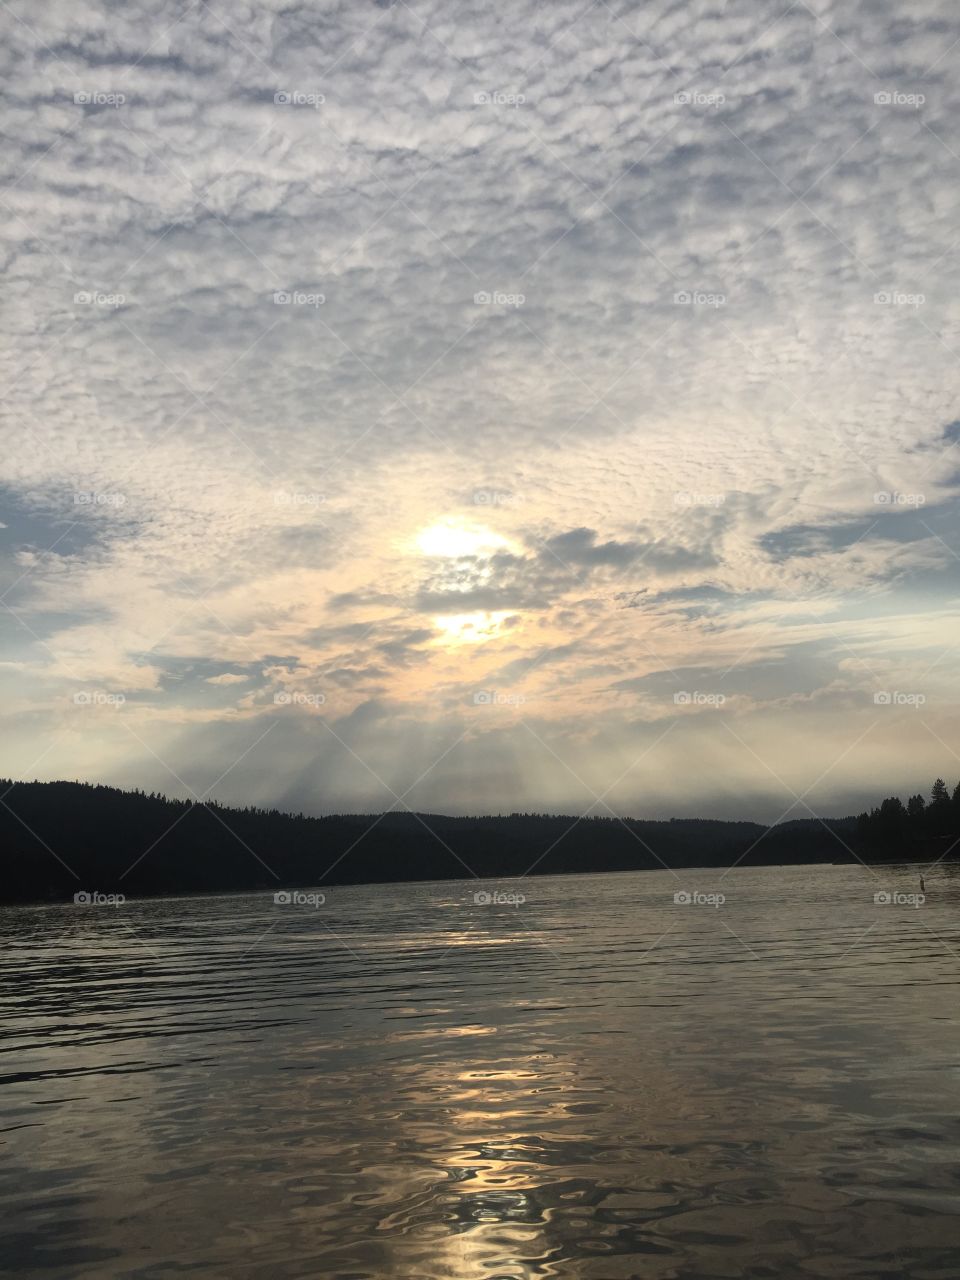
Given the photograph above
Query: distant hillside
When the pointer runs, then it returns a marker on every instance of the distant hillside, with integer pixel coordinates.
(57, 838)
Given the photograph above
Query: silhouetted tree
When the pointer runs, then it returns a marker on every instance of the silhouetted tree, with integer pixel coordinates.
(939, 793)
(939, 812)
(892, 823)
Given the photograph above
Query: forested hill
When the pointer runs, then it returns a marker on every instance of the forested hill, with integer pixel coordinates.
(59, 838)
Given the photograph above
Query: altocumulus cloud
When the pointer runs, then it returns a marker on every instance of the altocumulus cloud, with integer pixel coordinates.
(663, 297)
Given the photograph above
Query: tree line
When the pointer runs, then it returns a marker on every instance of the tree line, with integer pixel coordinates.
(60, 838)
(915, 829)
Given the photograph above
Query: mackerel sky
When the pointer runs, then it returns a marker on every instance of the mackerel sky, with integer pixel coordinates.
(548, 407)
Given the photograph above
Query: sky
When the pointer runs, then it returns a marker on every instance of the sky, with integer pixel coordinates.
(481, 408)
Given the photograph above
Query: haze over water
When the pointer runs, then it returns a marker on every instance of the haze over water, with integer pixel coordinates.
(404, 1082)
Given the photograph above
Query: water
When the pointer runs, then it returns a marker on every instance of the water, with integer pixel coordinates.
(596, 1083)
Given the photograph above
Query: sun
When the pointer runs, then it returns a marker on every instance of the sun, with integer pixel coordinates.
(453, 538)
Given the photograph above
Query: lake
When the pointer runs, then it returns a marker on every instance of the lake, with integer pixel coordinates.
(599, 1081)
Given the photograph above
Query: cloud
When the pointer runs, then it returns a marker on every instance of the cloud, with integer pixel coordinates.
(663, 299)
(580, 546)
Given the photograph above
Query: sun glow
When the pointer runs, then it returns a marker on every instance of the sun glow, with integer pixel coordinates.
(454, 538)
(470, 628)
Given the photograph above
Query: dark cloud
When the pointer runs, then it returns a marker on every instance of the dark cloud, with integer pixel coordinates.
(580, 547)
(896, 520)
(403, 650)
